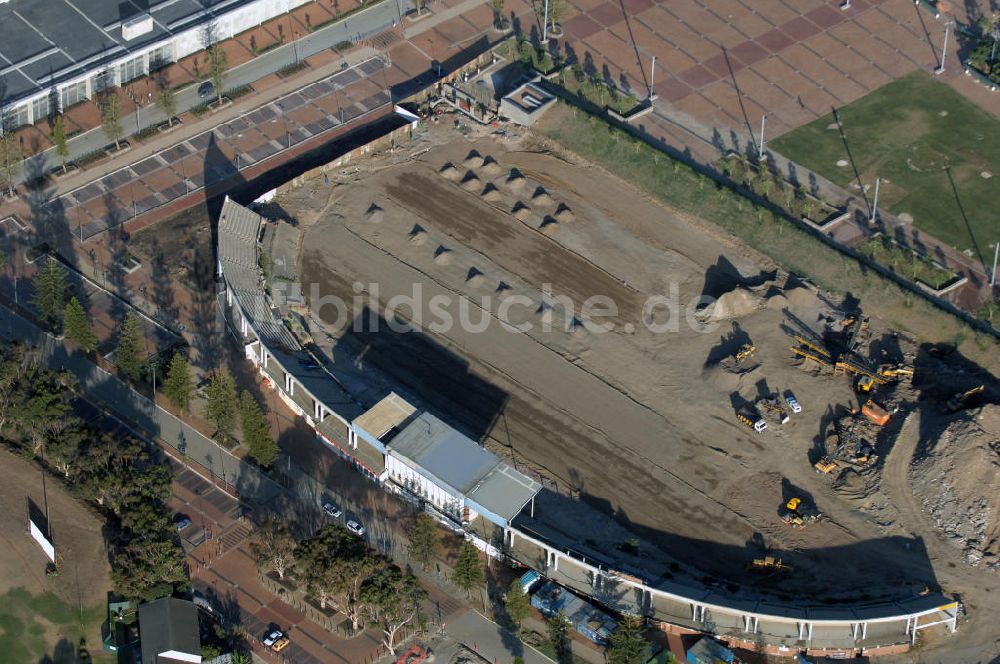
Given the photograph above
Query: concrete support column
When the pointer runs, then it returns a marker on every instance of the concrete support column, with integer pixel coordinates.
(750, 624)
(802, 631)
(697, 613)
(229, 296)
(648, 600)
(864, 630)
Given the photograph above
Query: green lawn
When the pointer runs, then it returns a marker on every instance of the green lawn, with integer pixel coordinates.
(907, 132)
(29, 622)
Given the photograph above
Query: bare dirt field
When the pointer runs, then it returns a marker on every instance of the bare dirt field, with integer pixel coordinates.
(44, 616)
(637, 420)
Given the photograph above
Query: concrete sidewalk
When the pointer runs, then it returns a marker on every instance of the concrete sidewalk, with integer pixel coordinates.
(491, 641)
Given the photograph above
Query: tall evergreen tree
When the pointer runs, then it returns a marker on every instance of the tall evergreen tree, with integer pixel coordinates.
(222, 404)
(130, 352)
(559, 638)
(256, 432)
(517, 603)
(77, 326)
(468, 573)
(11, 154)
(179, 385)
(628, 645)
(423, 539)
(60, 141)
(50, 291)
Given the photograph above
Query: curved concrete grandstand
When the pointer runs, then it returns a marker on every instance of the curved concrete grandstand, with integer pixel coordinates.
(417, 454)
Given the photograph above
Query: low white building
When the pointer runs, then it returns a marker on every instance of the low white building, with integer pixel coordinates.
(456, 475)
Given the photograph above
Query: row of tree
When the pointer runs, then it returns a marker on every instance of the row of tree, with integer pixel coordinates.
(60, 311)
(340, 571)
(116, 474)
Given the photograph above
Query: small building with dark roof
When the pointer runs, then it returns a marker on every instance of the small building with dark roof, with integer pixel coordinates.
(168, 632)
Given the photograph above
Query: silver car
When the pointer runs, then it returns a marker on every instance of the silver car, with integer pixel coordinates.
(355, 527)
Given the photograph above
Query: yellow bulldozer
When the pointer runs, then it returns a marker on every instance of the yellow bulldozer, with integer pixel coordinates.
(796, 514)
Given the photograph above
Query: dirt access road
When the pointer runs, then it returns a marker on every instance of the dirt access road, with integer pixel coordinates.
(639, 422)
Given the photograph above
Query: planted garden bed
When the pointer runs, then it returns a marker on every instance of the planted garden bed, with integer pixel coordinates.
(908, 263)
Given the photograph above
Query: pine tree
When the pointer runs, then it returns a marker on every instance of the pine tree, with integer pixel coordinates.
(11, 155)
(129, 355)
(50, 291)
(60, 141)
(77, 326)
(628, 645)
(468, 572)
(179, 385)
(559, 638)
(517, 603)
(256, 432)
(221, 407)
(423, 539)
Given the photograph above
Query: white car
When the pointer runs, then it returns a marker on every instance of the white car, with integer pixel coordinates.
(355, 527)
(792, 403)
(331, 510)
(272, 638)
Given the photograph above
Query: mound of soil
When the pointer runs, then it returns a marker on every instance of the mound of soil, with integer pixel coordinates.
(736, 303)
(956, 479)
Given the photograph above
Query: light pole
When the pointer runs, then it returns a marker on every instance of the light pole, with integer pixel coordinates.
(944, 50)
(545, 24)
(993, 274)
(760, 153)
(652, 78)
(874, 211)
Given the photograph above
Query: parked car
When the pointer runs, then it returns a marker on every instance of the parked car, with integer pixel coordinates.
(206, 89)
(280, 644)
(355, 527)
(273, 637)
(792, 402)
(331, 510)
(181, 521)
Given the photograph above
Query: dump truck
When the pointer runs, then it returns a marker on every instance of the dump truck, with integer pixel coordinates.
(875, 413)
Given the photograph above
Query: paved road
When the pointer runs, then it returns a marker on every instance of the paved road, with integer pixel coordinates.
(371, 21)
(492, 641)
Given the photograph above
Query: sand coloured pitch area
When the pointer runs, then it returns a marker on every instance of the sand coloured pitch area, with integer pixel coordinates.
(639, 424)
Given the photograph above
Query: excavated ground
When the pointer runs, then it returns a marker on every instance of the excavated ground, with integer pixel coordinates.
(638, 423)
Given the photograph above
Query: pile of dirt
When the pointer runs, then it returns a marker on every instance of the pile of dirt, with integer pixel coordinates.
(450, 172)
(516, 181)
(521, 211)
(491, 193)
(956, 479)
(375, 214)
(491, 167)
(737, 303)
(474, 160)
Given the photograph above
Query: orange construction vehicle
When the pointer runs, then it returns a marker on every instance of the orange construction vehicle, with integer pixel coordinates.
(876, 413)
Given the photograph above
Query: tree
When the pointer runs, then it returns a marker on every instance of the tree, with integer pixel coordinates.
(11, 154)
(179, 385)
(167, 103)
(273, 546)
(60, 141)
(111, 120)
(394, 600)
(218, 61)
(220, 409)
(129, 354)
(468, 572)
(256, 431)
(147, 568)
(423, 539)
(559, 638)
(627, 644)
(556, 12)
(497, 7)
(77, 326)
(50, 291)
(517, 603)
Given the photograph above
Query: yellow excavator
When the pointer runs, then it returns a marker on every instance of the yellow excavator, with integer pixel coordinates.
(745, 352)
(796, 514)
(962, 399)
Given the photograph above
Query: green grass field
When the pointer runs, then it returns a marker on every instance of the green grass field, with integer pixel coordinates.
(28, 622)
(908, 132)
